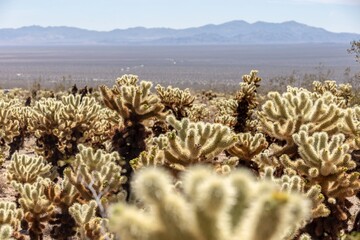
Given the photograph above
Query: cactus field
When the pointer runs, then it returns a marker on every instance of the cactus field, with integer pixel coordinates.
(135, 161)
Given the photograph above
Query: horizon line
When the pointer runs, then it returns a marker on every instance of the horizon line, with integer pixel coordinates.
(163, 27)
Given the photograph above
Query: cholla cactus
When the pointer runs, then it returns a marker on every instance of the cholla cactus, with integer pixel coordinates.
(225, 106)
(226, 111)
(62, 195)
(11, 215)
(45, 121)
(342, 92)
(9, 125)
(248, 146)
(192, 142)
(37, 208)
(78, 117)
(127, 80)
(350, 126)
(6, 232)
(96, 174)
(212, 207)
(60, 125)
(135, 104)
(290, 182)
(20, 113)
(176, 100)
(247, 101)
(198, 112)
(26, 169)
(104, 128)
(152, 157)
(226, 120)
(89, 227)
(283, 115)
(326, 162)
(14, 94)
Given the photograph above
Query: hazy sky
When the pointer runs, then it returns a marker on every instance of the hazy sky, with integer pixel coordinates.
(333, 15)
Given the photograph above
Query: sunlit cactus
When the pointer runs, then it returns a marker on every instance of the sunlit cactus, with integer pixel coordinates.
(38, 210)
(9, 126)
(193, 142)
(175, 99)
(11, 215)
(88, 226)
(342, 92)
(26, 169)
(211, 207)
(248, 146)
(136, 105)
(283, 115)
(325, 161)
(96, 174)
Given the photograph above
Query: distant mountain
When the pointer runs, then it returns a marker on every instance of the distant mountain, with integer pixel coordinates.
(234, 32)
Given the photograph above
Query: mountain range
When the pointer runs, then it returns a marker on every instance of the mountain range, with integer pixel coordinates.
(234, 32)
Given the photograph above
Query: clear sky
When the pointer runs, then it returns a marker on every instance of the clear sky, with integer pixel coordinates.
(333, 15)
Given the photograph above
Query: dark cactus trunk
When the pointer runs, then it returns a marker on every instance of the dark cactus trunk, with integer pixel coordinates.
(64, 225)
(329, 228)
(241, 116)
(129, 143)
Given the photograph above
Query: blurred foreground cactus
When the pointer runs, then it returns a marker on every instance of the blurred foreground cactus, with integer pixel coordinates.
(210, 208)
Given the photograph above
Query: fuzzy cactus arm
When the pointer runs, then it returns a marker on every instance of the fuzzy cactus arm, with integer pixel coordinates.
(342, 93)
(11, 215)
(37, 208)
(194, 142)
(248, 146)
(350, 126)
(133, 102)
(291, 182)
(327, 155)
(175, 99)
(25, 169)
(152, 157)
(9, 125)
(88, 225)
(6, 232)
(187, 215)
(283, 115)
(96, 172)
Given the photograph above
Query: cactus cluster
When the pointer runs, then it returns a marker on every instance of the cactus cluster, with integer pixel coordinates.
(68, 156)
